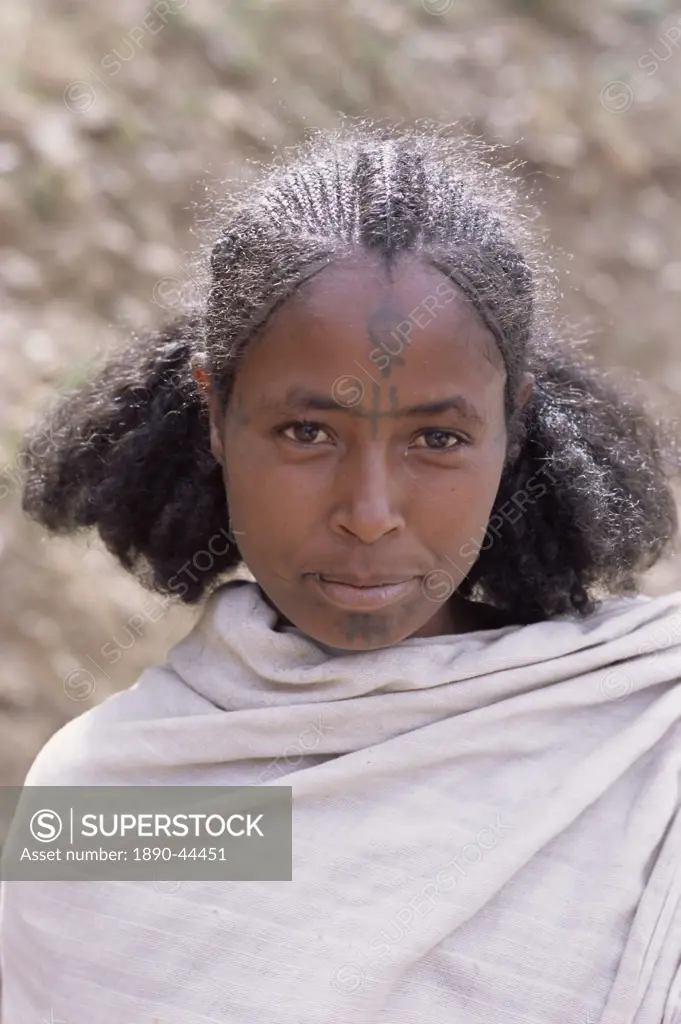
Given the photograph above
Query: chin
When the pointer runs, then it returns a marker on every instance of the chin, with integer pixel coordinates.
(356, 633)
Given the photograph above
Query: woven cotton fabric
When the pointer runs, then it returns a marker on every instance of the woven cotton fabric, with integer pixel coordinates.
(485, 831)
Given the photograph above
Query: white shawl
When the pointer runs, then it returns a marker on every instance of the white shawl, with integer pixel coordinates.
(485, 831)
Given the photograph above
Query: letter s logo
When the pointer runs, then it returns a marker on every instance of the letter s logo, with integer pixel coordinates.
(45, 825)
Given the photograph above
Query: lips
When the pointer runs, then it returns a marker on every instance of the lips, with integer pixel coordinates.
(364, 596)
(364, 581)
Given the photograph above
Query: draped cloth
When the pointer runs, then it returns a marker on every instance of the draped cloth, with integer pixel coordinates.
(486, 830)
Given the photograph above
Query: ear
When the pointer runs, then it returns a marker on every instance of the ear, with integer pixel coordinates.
(204, 384)
(522, 396)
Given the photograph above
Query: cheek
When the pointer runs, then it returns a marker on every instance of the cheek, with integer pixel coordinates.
(274, 511)
(464, 503)
(491, 463)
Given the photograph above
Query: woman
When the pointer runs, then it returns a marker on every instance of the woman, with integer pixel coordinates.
(446, 512)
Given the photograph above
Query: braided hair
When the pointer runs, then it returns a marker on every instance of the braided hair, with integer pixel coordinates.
(584, 504)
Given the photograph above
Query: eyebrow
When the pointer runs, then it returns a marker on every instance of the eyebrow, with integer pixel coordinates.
(297, 398)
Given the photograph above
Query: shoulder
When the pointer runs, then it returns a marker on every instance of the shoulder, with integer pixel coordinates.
(58, 762)
(633, 626)
(70, 754)
(92, 747)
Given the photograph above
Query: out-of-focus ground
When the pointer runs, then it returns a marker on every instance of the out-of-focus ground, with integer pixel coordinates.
(117, 116)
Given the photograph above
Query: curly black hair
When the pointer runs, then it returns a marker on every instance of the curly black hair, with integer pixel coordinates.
(588, 466)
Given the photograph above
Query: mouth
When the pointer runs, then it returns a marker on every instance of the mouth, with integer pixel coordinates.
(346, 593)
(364, 582)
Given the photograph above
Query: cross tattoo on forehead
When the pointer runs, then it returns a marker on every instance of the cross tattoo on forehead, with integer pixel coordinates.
(380, 322)
(375, 413)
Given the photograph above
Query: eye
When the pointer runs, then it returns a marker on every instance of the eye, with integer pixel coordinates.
(459, 440)
(305, 429)
(302, 425)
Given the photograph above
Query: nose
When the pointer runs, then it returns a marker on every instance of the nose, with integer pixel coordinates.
(367, 501)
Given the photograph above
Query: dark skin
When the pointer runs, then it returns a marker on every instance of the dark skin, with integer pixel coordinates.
(363, 487)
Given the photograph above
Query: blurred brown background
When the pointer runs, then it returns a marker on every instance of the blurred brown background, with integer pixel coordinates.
(116, 119)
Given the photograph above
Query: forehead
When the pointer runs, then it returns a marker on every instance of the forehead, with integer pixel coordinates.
(406, 323)
(364, 284)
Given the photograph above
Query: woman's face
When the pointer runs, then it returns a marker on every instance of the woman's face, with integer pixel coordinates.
(369, 491)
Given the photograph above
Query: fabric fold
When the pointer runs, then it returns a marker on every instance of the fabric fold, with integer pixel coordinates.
(488, 812)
